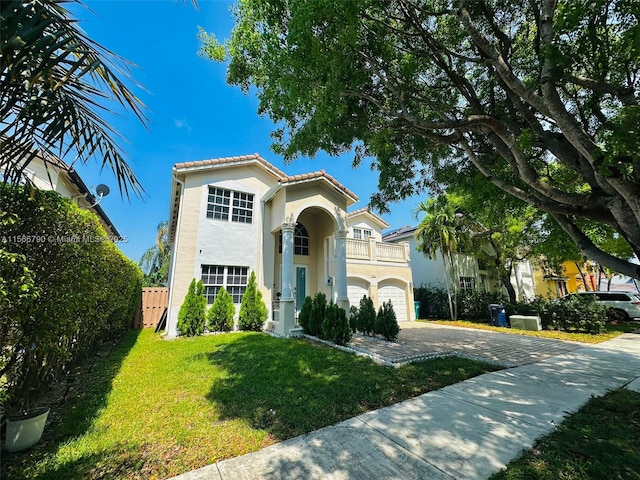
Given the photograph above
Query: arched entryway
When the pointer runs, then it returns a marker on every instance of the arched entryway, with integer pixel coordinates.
(307, 255)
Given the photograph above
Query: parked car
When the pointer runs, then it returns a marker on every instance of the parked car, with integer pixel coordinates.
(626, 305)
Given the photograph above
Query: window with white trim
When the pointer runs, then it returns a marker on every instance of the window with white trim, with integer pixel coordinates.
(232, 278)
(362, 233)
(467, 283)
(221, 202)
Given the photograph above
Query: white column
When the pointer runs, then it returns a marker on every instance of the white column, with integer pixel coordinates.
(341, 269)
(287, 310)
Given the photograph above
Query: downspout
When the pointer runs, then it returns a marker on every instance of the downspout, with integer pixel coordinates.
(171, 329)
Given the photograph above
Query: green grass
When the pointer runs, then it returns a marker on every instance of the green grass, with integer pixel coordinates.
(612, 330)
(601, 440)
(155, 408)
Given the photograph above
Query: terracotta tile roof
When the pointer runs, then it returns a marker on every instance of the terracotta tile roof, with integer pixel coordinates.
(315, 175)
(281, 176)
(367, 210)
(232, 160)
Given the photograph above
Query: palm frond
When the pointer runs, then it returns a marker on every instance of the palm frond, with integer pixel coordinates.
(56, 87)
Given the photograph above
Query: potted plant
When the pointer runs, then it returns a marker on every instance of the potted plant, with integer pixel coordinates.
(23, 417)
(22, 425)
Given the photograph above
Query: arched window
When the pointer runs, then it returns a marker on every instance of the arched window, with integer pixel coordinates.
(300, 240)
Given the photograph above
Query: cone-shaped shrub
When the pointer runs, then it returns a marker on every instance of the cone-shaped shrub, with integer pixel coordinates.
(386, 322)
(366, 319)
(253, 311)
(330, 317)
(193, 311)
(318, 309)
(353, 318)
(220, 315)
(304, 317)
(336, 326)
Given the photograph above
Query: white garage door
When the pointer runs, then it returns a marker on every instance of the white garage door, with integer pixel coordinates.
(396, 295)
(355, 294)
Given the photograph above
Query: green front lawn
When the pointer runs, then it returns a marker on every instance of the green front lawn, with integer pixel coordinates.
(154, 408)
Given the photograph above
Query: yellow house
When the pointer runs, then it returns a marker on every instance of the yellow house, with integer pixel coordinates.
(570, 280)
(236, 215)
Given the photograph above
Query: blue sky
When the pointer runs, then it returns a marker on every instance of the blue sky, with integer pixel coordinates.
(194, 114)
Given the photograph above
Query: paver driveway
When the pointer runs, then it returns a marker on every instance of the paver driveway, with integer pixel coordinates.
(419, 339)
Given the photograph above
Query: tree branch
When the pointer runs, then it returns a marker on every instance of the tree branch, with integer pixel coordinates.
(591, 251)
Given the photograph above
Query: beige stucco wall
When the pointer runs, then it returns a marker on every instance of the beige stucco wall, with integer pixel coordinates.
(185, 248)
(206, 241)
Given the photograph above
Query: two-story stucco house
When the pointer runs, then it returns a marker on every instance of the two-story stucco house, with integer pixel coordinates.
(233, 216)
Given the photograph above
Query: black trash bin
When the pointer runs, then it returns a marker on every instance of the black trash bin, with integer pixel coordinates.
(498, 315)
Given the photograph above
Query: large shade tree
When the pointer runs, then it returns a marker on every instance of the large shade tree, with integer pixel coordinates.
(57, 88)
(540, 96)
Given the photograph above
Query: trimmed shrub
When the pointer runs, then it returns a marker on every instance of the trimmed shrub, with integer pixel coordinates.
(193, 311)
(304, 317)
(253, 311)
(335, 326)
(353, 318)
(318, 312)
(220, 315)
(434, 302)
(330, 317)
(366, 319)
(64, 289)
(474, 305)
(386, 322)
(576, 313)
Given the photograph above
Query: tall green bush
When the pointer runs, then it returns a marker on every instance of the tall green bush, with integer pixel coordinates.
(220, 314)
(304, 317)
(474, 305)
(193, 311)
(253, 311)
(366, 319)
(64, 288)
(341, 332)
(353, 318)
(386, 322)
(318, 309)
(434, 302)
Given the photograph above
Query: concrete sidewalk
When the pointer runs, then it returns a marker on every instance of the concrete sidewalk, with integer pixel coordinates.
(469, 430)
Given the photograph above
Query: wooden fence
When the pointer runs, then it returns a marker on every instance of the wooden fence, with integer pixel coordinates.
(153, 303)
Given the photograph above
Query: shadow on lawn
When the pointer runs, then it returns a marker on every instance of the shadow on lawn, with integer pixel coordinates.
(288, 387)
(75, 402)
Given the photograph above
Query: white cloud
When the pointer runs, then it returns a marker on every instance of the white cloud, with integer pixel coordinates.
(182, 123)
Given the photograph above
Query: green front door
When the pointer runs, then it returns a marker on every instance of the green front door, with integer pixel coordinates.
(301, 285)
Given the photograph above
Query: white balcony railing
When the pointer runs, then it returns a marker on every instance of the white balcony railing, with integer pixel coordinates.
(377, 251)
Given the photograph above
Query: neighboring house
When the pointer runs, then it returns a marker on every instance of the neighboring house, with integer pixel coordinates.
(569, 280)
(470, 272)
(233, 216)
(56, 175)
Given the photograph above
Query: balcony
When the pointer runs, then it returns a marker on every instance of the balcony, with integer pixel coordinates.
(370, 250)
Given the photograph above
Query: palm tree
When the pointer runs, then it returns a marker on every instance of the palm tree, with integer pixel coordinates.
(155, 261)
(55, 85)
(439, 231)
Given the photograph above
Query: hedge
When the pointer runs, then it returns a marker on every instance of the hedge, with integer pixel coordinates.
(65, 288)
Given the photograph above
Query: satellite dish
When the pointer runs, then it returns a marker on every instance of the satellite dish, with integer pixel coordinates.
(102, 190)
